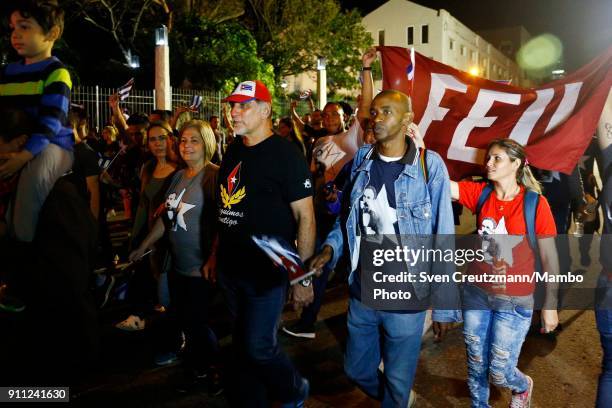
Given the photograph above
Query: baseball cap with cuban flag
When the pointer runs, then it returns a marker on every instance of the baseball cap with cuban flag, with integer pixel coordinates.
(249, 90)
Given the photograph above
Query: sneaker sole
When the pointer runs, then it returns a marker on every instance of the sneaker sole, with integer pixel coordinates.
(302, 335)
(530, 393)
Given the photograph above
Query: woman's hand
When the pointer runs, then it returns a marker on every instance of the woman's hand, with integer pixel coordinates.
(415, 134)
(137, 254)
(549, 320)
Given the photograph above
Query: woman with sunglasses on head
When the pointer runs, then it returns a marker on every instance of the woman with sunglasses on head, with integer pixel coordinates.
(497, 312)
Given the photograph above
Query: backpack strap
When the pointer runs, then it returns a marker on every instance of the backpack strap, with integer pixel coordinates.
(484, 196)
(530, 207)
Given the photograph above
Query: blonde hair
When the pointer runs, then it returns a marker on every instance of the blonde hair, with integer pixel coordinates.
(208, 136)
(515, 151)
(113, 132)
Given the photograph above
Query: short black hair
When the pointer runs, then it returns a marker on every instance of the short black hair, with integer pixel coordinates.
(346, 107)
(165, 115)
(47, 13)
(138, 119)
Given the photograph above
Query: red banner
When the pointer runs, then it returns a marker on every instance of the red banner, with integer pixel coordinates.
(458, 114)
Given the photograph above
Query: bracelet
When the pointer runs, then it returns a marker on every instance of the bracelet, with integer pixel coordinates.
(366, 68)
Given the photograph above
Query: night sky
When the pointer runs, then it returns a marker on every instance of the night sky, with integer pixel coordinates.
(583, 26)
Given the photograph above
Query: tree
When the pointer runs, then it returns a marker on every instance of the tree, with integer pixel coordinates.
(211, 54)
(123, 20)
(291, 34)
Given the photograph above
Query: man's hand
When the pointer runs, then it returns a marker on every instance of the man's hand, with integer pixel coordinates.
(301, 296)
(14, 162)
(549, 320)
(209, 269)
(318, 261)
(369, 57)
(440, 329)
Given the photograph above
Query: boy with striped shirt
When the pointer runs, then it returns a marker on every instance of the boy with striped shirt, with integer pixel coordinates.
(40, 86)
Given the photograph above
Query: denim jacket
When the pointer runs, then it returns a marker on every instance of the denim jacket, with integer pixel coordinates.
(422, 208)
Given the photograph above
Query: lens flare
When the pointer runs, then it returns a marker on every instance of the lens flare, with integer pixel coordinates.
(539, 54)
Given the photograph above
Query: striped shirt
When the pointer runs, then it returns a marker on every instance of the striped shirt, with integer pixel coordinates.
(42, 90)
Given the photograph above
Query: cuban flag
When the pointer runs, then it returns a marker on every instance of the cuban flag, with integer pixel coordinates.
(196, 101)
(246, 87)
(305, 94)
(284, 256)
(410, 69)
(124, 90)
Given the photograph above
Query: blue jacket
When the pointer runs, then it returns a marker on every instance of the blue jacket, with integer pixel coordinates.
(422, 208)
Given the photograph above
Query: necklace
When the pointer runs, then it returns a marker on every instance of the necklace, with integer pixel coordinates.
(502, 204)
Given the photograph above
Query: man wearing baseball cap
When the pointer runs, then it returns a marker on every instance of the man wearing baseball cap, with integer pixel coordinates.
(265, 189)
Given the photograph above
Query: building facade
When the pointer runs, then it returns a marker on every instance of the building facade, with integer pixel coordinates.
(438, 35)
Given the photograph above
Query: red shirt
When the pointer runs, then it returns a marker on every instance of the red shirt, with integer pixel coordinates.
(506, 217)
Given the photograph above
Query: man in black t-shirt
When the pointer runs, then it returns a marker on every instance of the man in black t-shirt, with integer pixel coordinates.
(264, 189)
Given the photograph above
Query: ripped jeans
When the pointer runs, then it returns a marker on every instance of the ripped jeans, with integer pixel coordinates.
(494, 330)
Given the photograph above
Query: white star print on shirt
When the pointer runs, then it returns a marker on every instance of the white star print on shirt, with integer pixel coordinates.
(182, 207)
(497, 232)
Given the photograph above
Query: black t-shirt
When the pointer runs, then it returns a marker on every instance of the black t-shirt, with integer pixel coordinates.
(85, 165)
(256, 186)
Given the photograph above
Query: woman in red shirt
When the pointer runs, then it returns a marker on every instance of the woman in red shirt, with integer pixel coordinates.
(497, 313)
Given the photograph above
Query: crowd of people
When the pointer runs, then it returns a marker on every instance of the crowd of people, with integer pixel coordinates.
(195, 193)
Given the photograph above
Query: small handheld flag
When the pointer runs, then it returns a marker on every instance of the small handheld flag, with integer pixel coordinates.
(124, 90)
(196, 101)
(305, 94)
(284, 256)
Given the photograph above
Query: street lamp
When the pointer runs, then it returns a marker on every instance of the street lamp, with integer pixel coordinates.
(134, 60)
(161, 35)
(163, 95)
(322, 81)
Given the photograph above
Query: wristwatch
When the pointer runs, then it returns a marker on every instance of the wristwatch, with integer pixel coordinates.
(306, 282)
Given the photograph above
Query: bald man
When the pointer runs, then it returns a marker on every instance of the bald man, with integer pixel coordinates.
(408, 199)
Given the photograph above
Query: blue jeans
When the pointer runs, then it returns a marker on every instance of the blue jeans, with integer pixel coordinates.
(260, 366)
(400, 350)
(494, 329)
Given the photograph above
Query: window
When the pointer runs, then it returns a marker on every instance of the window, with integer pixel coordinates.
(410, 35)
(425, 34)
(381, 37)
(472, 56)
(451, 44)
(463, 50)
